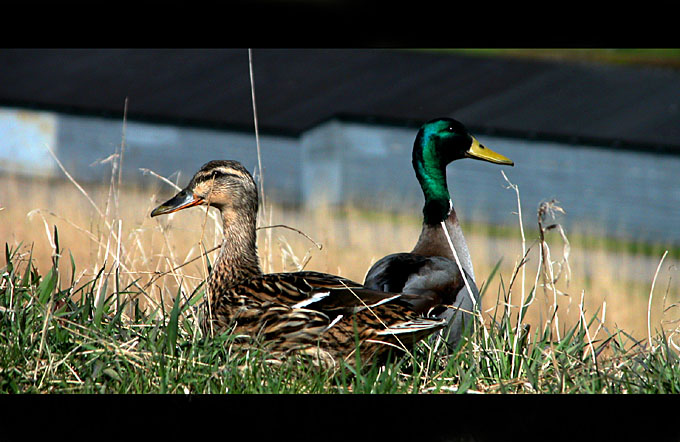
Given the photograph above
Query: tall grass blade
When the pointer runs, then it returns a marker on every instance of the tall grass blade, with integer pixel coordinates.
(194, 298)
(26, 280)
(8, 259)
(99, 307)
(525, 307)
(47, 285)
(73, 268)
(55, 257)
(488, 280)
(172, 324)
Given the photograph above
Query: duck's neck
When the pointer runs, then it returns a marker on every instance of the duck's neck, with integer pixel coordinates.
(431, 173)
(438, 209)
(434, 241)
(238, 255)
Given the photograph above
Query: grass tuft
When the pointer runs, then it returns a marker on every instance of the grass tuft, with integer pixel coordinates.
(74, 339)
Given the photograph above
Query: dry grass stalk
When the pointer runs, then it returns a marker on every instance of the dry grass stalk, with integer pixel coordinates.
(550, 277)
(518, 265)
(524, 248)
(649, 305)
(262, 214)
(585, 326)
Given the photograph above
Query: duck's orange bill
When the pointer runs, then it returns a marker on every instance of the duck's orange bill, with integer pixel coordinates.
(180, 201)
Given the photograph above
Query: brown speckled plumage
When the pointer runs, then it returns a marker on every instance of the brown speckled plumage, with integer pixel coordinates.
(308, 313)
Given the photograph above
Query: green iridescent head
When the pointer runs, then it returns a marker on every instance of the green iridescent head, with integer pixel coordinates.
(438, 143)
(444, 140)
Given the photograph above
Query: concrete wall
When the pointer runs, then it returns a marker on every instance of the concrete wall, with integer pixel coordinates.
(616, 192)
(82, 143)
(23, 137)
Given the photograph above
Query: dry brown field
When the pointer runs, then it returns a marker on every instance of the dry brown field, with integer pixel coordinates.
(105, 226)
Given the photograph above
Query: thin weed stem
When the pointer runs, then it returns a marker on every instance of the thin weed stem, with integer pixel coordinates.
(649, 305)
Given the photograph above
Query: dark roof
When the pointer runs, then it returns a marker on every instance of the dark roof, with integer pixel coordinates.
(297, 89)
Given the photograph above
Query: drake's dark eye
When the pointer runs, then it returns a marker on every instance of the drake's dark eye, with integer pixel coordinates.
(449, 129)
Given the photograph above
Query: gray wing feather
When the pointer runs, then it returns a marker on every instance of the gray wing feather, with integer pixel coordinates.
(435, 279)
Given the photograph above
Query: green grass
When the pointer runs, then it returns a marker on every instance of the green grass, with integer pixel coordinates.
(665, 57)
(62, 336)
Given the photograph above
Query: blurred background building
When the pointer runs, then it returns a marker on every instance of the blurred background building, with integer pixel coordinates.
(337, 126)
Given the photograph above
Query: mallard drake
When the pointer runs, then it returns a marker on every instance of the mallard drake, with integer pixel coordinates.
(308, 313)
(430, 269)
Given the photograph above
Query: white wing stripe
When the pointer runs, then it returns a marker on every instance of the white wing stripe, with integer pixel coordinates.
(410, 327)
(315, 298)
(335, 321)
(384, 300)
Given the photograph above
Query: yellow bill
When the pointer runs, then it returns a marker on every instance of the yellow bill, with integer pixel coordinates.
(478, 151)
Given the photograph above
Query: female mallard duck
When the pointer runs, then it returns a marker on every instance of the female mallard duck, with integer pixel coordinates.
(430, 270)
(306, 313)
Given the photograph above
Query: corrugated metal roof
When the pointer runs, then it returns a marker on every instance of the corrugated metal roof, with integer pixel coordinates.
(299, 88)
